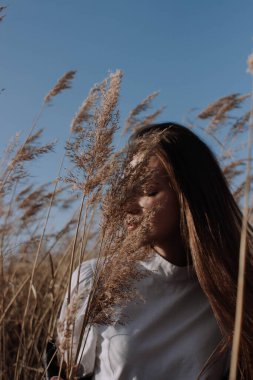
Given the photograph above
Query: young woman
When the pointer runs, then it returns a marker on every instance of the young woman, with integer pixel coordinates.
(184, 328)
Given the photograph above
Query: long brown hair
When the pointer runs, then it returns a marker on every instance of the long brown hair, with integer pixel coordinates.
(210, 226)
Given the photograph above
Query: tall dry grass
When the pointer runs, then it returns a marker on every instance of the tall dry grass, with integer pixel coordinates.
(243, 244)
(37, 265)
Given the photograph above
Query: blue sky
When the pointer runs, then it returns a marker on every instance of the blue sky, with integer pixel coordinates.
(191, 51)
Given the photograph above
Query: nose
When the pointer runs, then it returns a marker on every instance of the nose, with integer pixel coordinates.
(133, 206)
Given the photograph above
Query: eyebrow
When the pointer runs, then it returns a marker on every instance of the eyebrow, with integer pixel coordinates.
(152, 183)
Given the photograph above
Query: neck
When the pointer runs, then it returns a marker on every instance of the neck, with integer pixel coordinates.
(173, 251)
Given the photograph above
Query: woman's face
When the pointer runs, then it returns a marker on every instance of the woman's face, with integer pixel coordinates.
(158, 198)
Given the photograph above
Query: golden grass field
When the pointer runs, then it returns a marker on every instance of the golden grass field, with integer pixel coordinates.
(36, 265)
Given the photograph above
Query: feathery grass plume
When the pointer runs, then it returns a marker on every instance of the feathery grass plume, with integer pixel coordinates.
(13, 172)
(40, 196)
(28, 151)
(221, 115)
(62, 84)
(39, 199)
(11, 147)
(250, 64)
(65, 328)
(148, 119)
(133, 121)
(230, 137)
(232, 169)
(240, 297)
(83, 113)
(24, 153)
(90, 148)
(218, 111)
(91, 154)
(109, 100)
(6, 158)
(239, 192)
(213, 108)
(2, 8)
(240, 124)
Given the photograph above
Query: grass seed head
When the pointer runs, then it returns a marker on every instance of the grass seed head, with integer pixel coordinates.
(62, 84)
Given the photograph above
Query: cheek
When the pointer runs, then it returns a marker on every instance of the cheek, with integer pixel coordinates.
(166, 219)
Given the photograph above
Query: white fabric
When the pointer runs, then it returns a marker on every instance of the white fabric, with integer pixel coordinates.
(170, 335)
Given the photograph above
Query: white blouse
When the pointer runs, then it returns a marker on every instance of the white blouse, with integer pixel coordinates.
(169, 335)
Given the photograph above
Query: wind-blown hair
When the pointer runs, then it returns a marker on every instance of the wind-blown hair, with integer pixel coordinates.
(210, 227)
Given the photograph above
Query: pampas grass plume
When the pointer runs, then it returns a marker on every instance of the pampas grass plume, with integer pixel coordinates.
(62, 84)
(250, 64)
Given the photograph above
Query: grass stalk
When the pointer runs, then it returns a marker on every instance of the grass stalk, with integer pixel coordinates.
(242, 259)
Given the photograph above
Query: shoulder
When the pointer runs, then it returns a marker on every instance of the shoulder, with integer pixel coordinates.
(83, 274)
(81, 283)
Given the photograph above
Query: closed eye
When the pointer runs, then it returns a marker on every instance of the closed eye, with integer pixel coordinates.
(150, 190)
(152, 193)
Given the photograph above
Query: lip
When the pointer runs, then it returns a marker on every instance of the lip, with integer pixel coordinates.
(131, 226)
(130, 223)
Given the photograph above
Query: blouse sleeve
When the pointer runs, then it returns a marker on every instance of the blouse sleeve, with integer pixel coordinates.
(72, 316)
